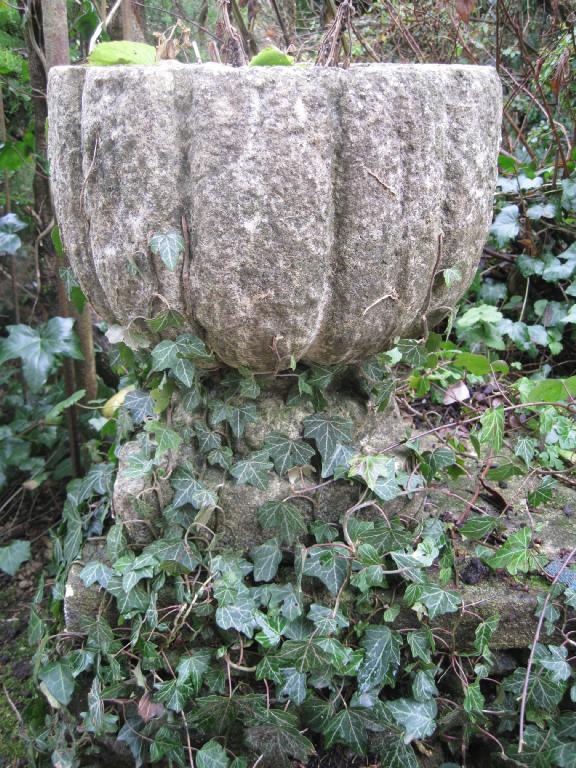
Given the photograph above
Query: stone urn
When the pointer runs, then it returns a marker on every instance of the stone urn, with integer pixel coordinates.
(313, 213)
(317, 209)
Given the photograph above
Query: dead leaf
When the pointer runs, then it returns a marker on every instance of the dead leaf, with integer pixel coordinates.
(561, 73)
(464, 8)
(148, 709)
(456, 393)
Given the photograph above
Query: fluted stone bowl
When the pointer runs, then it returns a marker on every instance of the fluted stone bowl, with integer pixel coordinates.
(322, 206)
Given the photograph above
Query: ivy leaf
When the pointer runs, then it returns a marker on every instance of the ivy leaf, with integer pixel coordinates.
(423, 685)
(140, 405)
(506, 225)
(421, 644)
(413, 352)
(326, 620)
(476, 528)
(185, 371)
(169, 246)
(395, 754)
(294, 687)
(284, 518)
(212, 755)
(452, 276)
(484, 631)
(525, 449)
(239, 616)
(329, 564)
(207, 439)
(166, 439)
(96, 572)
(327, 431)
(286, 452)
(189, 490)
(370, 468)
(543, 493)
(169, 318)
(173, 555)
(417, 718)
(38, 347)
(276, 742)
(266, 558)
(12, 556)
(221, 457)
(305, 655)
(554, 659)
(482, 313)
(492, 432)
(253, 470)
(166, 744)
(347, 727)
(191, 669)
(58, 681)
(515, 554)
(436, 599)
(174, 694)
(382, 658)
(474, 699)
(237, 416)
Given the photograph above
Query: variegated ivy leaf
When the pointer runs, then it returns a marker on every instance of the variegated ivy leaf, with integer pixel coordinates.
(286, 452)
(452, 276)
(169, 246)
(191, 669)
(58, 680)
(166, 439)
(140, 405)
(327, 431)
(253, 470)
(305, 655)
(189, 490)
(175, 694)
(327, 621)
(174, 555)
(347, 727)
(169, 318)
(237, 416)
(284, 518)
(370, 468)
(266, 558)
(294, 687)
(329, 564)
(95, 572)
(212, 755)
(382, 658)
(207, 439)
(240, 616)
(185, 372)
(13, 555)
(221, 457)
(418, 719)
(492, 432)
(436, 599)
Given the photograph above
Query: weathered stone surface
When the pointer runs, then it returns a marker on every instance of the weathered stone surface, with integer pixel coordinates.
(138, 502)
(81, 601)
(315, 198)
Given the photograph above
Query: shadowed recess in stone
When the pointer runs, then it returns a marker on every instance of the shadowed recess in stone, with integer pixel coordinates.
(315, 199)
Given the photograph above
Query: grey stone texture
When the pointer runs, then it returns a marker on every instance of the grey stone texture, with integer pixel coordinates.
(315, 198)
(138, 503)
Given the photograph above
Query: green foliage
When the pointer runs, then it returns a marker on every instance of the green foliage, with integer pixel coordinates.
(271, 57)
(122, 52)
